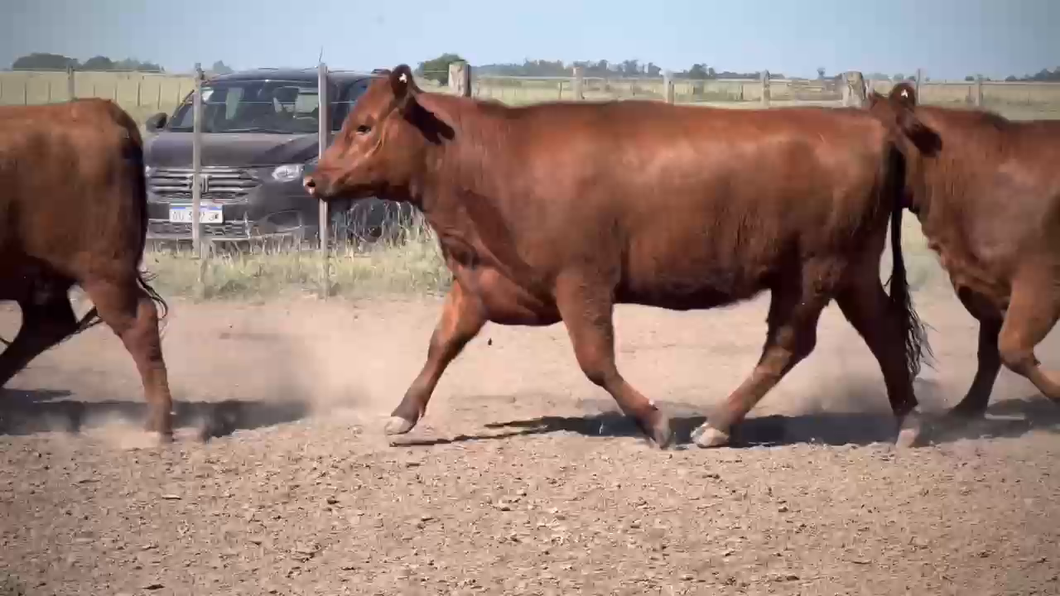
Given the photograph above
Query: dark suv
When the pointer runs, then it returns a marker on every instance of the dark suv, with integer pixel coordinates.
(260, 133)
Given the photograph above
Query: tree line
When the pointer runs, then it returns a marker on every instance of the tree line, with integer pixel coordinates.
(46, 61)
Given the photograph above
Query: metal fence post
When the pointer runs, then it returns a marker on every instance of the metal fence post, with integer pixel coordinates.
(576, 83)
(196, 163)
(919, 79)
(323, 139)
(71, 91)
(668, 86)
(978, 91)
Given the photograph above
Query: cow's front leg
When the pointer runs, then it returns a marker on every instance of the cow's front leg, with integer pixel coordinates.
(462, 319)
(586, 308)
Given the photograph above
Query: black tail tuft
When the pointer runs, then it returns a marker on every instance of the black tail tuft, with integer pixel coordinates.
(918, 349)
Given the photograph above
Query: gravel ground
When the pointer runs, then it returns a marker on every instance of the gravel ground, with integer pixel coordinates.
(521, 479)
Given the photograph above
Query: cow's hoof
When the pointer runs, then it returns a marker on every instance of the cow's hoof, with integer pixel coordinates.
(398, 426)
(160, 432)
(963, 412)
(660, 432)
(707, 436)
(910, 431)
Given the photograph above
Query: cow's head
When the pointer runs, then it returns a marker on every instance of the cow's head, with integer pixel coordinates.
(898, 110)
(382, 146)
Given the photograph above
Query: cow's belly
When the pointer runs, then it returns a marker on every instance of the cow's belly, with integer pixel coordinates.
(971, 280)
(504, 300)
(694, 277)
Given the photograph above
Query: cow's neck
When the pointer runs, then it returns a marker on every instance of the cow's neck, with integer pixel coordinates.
(467, 165)
(460, 188)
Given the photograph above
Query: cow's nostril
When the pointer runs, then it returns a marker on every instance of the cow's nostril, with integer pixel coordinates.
(309, 183)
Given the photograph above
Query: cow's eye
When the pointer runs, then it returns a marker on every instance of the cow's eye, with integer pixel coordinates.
(364, 129)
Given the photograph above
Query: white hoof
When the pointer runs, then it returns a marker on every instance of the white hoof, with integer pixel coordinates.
(707, 436)
(398, 426)
(910, 431)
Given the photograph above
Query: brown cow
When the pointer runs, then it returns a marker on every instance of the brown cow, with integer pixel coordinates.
(987, 193)
(73, 210)
(556, 212)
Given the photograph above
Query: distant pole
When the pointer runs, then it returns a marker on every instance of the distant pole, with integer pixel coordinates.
(576, 83)
(978, 91)
(196, 163)
(919, 79)
(668, 86)
(460, 79)
(764, 76)
(323, 138)
(71, 92)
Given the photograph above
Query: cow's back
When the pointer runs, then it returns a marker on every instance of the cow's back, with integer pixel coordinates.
(673, 185)
(72, 194)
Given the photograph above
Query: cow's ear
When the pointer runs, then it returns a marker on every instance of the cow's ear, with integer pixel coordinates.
(401, 84)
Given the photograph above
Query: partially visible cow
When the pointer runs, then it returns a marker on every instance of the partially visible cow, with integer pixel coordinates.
(556, 212)
(987, 193)
(73, 210)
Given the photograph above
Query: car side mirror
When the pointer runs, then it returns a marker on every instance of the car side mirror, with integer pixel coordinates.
(156, 122)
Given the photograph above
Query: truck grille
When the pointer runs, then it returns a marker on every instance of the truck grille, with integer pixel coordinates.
(231, 230)
(222, 185)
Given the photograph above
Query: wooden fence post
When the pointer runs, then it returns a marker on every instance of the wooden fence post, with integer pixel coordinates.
(978, 91)
(854, 95)
(460, 78)
(576, 83)
(323, 139)
(919, 78)
(668, 86)
(764, 75)
(71, 91)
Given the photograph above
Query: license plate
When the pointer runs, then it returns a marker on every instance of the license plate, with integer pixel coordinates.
(208, 213)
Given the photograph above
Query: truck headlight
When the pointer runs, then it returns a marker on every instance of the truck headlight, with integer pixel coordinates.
(287, 172)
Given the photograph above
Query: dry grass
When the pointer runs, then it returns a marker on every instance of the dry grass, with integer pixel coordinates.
(411, 265)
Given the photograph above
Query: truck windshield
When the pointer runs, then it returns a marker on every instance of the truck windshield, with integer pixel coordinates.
(280, 107)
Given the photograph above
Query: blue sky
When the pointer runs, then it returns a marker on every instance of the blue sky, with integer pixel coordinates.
(948, 38)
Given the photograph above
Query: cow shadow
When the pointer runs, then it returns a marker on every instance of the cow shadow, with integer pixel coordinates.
(1006, 419)
(27, 412)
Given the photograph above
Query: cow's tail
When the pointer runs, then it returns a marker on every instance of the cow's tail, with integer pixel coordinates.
(917, 348)
(143, 276)
(133, 153)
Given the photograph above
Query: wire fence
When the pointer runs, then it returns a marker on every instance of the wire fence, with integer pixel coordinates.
(145, 93)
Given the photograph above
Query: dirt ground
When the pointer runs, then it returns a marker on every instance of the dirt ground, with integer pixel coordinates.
(521, 479)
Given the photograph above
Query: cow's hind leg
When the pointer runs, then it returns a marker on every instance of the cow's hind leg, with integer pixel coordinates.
(44, 324)
(1032, 312)
(977, 399)
(792, 335)
(866, 306)
(462, 319)
(131, 313)
(586, 310)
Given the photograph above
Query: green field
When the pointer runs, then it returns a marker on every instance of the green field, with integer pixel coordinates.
(416, 266)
